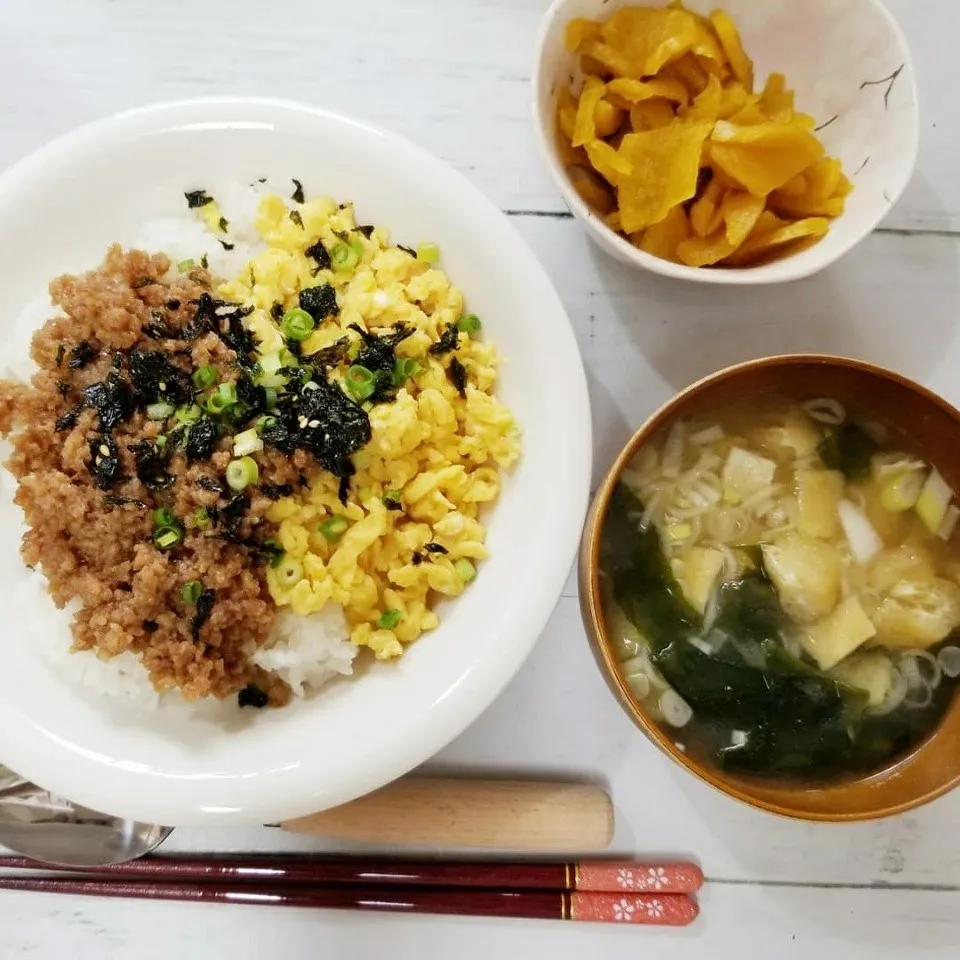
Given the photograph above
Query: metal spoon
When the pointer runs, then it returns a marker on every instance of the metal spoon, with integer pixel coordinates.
(45, 827)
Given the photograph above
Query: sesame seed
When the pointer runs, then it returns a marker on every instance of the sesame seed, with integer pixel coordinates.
(162, 385)
(314, 424)
(303, 422)
(104, 449)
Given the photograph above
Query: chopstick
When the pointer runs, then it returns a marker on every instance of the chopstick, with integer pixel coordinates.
(662, 909)
(591, 876)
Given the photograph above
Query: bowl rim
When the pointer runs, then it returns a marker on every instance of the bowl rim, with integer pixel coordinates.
(121, 789)
(588, 567)
(795, 267)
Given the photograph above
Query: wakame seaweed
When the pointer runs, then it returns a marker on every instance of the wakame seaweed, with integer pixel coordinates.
(849, 449)
(794, 720)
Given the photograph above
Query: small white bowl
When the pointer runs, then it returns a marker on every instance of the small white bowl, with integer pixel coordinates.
(59, 209)
(835, 54)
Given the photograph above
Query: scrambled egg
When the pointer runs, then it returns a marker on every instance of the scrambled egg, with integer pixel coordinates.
(413, 531)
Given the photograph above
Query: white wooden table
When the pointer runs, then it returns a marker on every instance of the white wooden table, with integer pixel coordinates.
(455, 76)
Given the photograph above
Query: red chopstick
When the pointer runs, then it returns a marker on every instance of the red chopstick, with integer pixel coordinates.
(600, 876)
(663, 909)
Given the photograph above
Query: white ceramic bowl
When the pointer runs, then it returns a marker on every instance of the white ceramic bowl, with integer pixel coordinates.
(828, 50)
(59, 209)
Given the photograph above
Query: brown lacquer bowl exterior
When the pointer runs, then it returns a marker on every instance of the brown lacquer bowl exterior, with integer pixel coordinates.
(933, 767)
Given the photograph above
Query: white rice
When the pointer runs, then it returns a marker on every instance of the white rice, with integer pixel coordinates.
(306, 652)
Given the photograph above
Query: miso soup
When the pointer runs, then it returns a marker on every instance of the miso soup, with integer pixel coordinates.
(781, 585)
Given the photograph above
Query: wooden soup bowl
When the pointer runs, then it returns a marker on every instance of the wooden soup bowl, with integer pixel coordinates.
(932, 427)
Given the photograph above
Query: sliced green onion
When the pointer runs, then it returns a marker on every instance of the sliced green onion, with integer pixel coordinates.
(465, 570)
(160, 411)
(288, 358)
(333, 528)
(428, 252)
(202, 518)
(405, 368)
(189, 414)
(344, 256)
(241, 473)
(297, 324)
(215, 404)
(246, 443)
(271, 395)
(228, 393)
(360, 381)
(167, 537)
(389, 619)
(161, 441)
(265, 423)
(268, 375)
(353, 351)
(392, 496)
(163, 517)
(469, 324)
(273, 549)
(191, 591)
(205, 376)
(184, 265)
(289, 572)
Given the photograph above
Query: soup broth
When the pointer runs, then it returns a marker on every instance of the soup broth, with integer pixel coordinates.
(782, 589)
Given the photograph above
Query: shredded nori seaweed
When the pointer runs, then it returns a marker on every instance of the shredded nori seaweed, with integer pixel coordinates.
(111, 398)
(155, 379)
(449, 340)
(298, 196)
(63, 388)
(366, 229)
(61, 350)
(104, 465)
(457, 374)
(158, 330)
(141, 283)
(252, 696)
(211, 484)
(276, 311)
(225, 245)
(150, 464)
(69, 420)
(413, 253)
(112, 500)
(323, 421)
(318, 252)
(81, 355)
(392, 503)
(173, 304)
(296, 218)
(151, 626)
(274, 491)
(201, 439)
(204, 262)
(223, 224)
(377, 355)
(343, 489)
(332, 355)
(417, 559)
(320, 302)
(197, 198)
(435, 548)
(202, 612)
(270, 552)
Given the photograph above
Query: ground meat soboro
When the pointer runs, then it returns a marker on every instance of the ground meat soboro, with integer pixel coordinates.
(91, 528)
